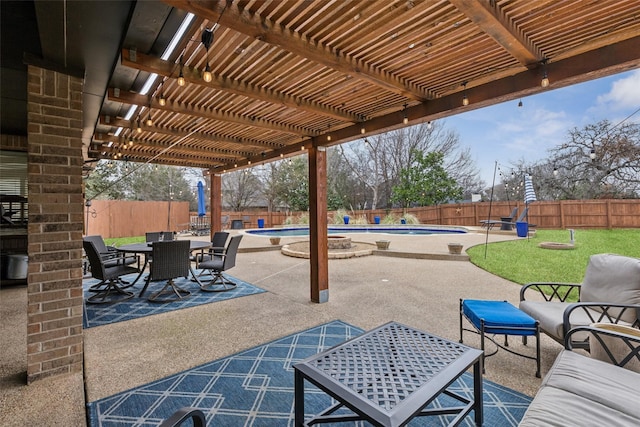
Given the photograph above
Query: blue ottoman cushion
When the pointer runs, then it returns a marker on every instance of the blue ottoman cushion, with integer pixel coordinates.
(500, 317)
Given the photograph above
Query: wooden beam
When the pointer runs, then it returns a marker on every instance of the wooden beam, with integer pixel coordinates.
(129, 124)
(206, 113)
(193, 76)
(138, 144)
(275, 34)
(318, 255)
(493, 23)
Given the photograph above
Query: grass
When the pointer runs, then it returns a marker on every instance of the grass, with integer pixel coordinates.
(522, 261)
(119, 241)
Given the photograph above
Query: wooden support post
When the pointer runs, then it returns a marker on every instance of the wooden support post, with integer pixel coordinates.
(319, 256)
(216, 203)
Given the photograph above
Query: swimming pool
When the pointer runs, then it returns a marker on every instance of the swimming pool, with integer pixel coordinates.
(304, 231)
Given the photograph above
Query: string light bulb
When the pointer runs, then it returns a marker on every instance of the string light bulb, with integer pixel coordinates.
(162, 100)
(181, 80)
(405, 119)
(149, 122)
(139, 127)
(545, 77)
(206, 76)
(465, 99)
(520, 104)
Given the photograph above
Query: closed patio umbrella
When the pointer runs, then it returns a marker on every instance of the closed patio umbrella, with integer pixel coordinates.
(529, 192)
(202, 210)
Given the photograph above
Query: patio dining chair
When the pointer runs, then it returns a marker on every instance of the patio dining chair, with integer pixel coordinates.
(154, 236)
(110, 257)
(169, 261)
(109, 289)
(219, 264)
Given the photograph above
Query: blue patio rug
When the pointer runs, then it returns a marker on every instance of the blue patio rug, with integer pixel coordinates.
(256, 387)
(103, 314)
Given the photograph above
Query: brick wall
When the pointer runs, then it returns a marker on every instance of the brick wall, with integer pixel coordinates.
(54, 325)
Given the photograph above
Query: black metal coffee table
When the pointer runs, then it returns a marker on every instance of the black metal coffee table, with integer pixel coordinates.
(387, 376)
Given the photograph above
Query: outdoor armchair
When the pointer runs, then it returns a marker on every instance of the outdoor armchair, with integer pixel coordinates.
(169, 261)
(609, 293)
(218, 265)
(109, 289)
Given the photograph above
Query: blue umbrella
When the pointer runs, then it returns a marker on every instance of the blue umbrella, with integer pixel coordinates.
(202, 210)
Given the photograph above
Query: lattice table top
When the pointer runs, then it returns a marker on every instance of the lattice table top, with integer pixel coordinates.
(388, 364)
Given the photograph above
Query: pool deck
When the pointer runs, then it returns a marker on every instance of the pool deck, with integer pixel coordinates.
(404, 284)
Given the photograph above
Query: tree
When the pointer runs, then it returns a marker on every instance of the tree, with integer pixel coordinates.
(292, 183)
(240, 189)
(105, 182)
(425, 182)
(377, 161)
(614, 171)
(121, 180)
(597, 161)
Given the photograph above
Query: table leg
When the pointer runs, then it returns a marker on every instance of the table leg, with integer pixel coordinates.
(298, 399)
(477, 392)
(144, 266)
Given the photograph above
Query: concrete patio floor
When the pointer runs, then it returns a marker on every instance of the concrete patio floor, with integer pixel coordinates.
(405, 284)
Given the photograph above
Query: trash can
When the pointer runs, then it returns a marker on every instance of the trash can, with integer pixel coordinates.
(17, 266)
(260, 223)
(376, 219)
(346, 219)
(522, 229)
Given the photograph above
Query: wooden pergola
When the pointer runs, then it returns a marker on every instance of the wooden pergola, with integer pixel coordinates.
(253, 81)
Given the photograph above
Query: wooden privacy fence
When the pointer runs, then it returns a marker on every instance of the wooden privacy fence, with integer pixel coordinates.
(614, 213)
(114, 218)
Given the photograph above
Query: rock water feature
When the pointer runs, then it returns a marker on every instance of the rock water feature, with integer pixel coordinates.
(339, 247)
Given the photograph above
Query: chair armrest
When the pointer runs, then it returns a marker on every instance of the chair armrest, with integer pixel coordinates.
(630, 344)
(182, 415)
(604, 313)
(559, 291)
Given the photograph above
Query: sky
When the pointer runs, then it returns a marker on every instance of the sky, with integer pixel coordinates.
(505, 133)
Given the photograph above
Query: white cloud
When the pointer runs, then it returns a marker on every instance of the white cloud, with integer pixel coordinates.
(624, 93)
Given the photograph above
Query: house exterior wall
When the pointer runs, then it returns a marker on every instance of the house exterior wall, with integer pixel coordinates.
(54, 293)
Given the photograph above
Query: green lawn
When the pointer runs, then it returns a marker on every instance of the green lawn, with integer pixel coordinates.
(119, 241)
(522, 261)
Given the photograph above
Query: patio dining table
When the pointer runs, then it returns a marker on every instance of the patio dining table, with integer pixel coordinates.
(147, 248)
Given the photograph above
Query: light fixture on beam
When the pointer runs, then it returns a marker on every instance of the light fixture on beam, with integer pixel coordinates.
(545, 77)
(207, 39)
(465, 98)
(181, 80)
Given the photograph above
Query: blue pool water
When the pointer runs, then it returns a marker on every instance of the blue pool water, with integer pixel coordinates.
(304, 231)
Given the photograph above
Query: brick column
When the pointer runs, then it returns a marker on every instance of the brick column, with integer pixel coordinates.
(54, 323)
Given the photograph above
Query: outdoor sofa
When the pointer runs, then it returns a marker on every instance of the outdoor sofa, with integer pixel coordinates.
(580, 390)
